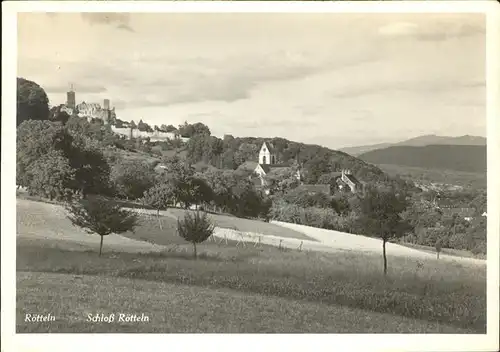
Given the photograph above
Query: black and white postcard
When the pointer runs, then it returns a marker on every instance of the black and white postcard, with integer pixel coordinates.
(229, 168)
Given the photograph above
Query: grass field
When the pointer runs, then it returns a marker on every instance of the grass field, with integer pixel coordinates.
(181, 308)
(240, 289)
(448, 251)
(247, 225)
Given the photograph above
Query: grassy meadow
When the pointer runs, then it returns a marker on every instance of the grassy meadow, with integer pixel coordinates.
(232, 288)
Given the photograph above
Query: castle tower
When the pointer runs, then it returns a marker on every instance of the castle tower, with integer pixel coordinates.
(106, 104)
(71, 98)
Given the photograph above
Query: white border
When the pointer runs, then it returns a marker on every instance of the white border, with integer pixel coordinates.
(229, 342)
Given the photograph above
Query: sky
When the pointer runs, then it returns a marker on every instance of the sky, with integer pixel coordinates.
(336, 80)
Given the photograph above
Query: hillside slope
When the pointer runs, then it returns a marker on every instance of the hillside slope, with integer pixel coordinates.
(467, 158)
(420, 141)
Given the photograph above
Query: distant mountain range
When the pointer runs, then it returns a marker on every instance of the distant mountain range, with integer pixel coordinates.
(469, 158)
(420, 141)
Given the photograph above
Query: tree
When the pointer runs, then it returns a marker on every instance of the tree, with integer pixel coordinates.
(92, 175)
(281, 180)
(169, 128)
(159, 197)
(84, 168)
(36, 139)
(180, 174)
(195, 228)
(100, 216)
(380, 215)
(51, 176)
(220, 182)
(189, 130)
(132, 178)
(32, 101)
(56, 115)
(201, 192)
(142, 126)
(438, 247)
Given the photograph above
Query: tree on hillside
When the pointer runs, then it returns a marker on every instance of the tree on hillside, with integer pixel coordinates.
(189, 130)
(340, 203)
(422, 214)
(144, 127)
(92, 175)
(79, 126)
(56, 115)
(35, 139)
(195, 228)
(381, 216)
(32, 101)
(84, 169)
(168, 128)
(180, 173)
(477, 234)
(281, 180)
(132, 178)
(159, 197)
(51, 176)
(438, 246)
(220, 182)
(100, 216)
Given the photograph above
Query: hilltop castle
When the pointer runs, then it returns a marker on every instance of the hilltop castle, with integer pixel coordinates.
(89, 110)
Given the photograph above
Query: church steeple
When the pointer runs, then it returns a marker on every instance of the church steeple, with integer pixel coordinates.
(266, 154)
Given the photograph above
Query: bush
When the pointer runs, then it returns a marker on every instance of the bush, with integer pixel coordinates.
(313, 216)
(195, 228)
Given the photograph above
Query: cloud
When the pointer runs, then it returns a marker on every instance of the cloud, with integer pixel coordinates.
(398, 29)
(435, 31)
(119, 20)
(228, 80)
(422, 86)
(81, 88)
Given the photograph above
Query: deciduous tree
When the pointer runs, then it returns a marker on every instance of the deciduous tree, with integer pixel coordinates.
(159, 197)
(195, 228)
(381, 216)
(100, 216)
(32, 101)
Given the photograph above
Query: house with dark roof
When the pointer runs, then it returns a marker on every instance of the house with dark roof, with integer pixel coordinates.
(345, 179)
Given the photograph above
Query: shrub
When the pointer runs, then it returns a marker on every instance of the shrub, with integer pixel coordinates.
(195, 228)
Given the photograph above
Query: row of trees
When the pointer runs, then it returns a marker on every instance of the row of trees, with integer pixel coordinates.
(103, 217)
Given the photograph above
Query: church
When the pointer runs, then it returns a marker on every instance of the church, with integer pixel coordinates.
(344, 180)
(267, 162)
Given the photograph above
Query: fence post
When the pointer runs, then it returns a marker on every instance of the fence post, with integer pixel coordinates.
(280, 244)
(300, 246)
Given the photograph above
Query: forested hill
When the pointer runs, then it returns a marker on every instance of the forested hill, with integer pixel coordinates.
(468, 158)
(420, 141)
(317, 162)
